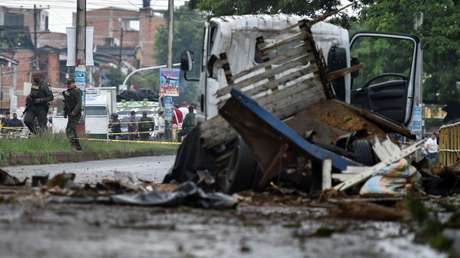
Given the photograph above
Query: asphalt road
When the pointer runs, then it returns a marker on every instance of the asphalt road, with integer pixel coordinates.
(147, 168)
(34, 228)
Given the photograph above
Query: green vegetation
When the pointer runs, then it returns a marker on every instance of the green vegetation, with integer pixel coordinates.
(429, 229)
(188, 35)
(240, 7)
(46, 147)
(435, 22)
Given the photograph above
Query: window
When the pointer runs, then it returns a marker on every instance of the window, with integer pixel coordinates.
(96, 111)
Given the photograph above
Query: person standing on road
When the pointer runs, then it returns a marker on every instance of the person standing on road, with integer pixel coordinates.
(189, 122)
(37, 104)
(431, 148)
(115, 126)
(132, 126)
(161, 125)
(72, 111)
(146, 125)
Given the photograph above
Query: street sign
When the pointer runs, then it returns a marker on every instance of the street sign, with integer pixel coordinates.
(167, 100)
(169, 82)
(80, 77)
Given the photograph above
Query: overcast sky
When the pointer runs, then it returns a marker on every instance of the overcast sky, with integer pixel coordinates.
(60, 11)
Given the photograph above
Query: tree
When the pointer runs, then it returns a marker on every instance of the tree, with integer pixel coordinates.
(188, 35)
(438, 27)
(240, 7)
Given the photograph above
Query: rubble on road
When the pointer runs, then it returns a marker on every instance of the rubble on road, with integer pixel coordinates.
(7, 179)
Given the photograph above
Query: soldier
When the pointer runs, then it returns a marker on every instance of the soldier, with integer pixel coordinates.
(72, 110)
(189, 122)
(37, 104)
(115, 127)
(146, 125)
(133, 129)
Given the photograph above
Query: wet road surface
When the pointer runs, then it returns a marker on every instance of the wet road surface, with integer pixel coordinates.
(147, 168)
(37, 229)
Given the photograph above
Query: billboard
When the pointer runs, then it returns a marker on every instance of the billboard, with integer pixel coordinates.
(169, 82)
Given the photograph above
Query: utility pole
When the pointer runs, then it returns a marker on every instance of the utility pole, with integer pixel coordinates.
(35, 26)
(121, 48)
(80, 57)
(170, 32)
(1, 93)
(81, 33)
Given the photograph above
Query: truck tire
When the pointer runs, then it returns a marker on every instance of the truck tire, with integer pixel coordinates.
(363, 153)
(237, 172)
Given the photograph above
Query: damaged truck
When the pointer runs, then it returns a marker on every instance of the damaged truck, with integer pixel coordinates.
(331, 95)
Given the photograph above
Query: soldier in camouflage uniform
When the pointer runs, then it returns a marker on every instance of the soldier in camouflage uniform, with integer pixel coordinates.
(72, 110)
(146, 125)
(37, 104)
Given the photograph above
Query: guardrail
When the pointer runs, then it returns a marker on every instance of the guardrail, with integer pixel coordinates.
(449, 144)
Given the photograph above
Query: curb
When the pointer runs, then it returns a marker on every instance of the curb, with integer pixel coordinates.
(16, 159)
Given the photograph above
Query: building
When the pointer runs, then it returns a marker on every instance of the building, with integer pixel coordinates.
(20, 56)
(128, 29)
(35, 19)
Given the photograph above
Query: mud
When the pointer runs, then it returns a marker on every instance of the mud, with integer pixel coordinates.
(260, 226)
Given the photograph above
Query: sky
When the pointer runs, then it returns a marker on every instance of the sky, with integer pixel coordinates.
(60, 11)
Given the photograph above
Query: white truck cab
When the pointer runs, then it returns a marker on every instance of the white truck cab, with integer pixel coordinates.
(389, 82)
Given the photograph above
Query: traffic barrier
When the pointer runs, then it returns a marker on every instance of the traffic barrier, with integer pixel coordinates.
(449, 144)
(129, 141)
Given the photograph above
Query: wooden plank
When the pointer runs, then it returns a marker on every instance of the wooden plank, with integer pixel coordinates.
(369, 171)
(299, 37)
(326, 174)
(379, 120)
(282, 58)
(282, 81)
(298, 105)
(263, 76)
(381, 152)
(343, 176)
(280, 95)
(342, 72)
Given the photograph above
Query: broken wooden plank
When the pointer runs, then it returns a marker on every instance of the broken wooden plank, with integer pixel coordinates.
(342, 72)
(326, 174)
(280, 59)
(381, 121)
(299, 37)
(292, 63)
(369, 171)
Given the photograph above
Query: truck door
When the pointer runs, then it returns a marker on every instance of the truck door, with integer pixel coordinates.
(389, 82)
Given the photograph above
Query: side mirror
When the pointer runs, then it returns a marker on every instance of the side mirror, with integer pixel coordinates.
(186, 61)
(354, 61)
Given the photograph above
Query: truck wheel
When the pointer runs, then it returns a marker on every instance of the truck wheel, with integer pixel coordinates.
(237, 170)
(363, 153)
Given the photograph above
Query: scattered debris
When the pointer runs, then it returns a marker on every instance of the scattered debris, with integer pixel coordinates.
(185, 194)
(62, 180)
(7, 179)
(39, 180)
(366, 211)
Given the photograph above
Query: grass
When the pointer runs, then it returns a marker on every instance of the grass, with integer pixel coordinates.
(50, 144)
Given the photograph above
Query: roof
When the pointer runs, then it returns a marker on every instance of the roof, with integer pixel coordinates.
(15, 37)
(9, 60)
(115, 51)
(112, 8)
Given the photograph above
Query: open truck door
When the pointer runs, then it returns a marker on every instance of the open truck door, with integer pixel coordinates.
(390, 81)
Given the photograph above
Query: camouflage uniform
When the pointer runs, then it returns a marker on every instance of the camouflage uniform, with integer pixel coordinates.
(37, 105)
(72, 110)
(145, 126)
